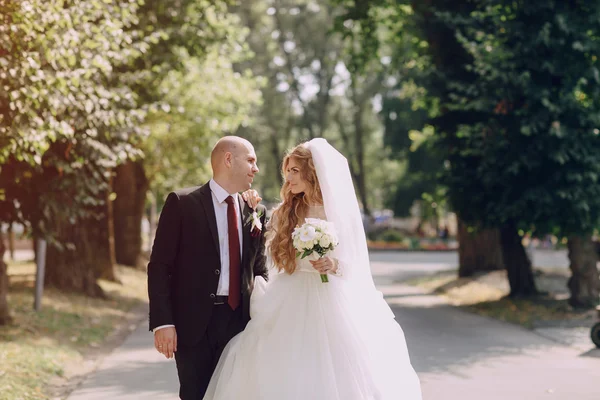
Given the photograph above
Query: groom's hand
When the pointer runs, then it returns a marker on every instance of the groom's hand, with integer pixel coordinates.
(251, 197)
(165, 341)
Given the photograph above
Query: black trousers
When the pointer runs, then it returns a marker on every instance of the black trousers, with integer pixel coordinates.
(196, 364)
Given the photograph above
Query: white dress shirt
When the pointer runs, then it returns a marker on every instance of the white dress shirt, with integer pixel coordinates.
(218, 197)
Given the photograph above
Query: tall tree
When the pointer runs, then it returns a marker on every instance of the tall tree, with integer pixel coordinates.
(72, 107)
(356, 117)
(65, 121)
(5, 316)
(539, 148)
(429, 61)
(479, 250)
(130, 186)
(313, 90)
(208, 99)
(272, 130)
(297, 56)
(184, 32)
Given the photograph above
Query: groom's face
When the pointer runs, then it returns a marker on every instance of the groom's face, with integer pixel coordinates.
(244, 167)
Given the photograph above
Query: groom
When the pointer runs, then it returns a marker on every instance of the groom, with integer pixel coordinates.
(205, 256)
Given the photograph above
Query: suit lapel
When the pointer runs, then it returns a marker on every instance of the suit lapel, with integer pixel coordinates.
(244, 212)
(209, 209)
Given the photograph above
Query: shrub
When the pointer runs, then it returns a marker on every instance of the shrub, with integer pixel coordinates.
(391, 236)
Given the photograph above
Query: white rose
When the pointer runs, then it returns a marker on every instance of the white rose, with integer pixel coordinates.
(324, 241)
(297, 244)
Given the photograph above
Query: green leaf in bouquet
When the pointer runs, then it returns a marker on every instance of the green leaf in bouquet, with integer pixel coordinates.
(306, 253)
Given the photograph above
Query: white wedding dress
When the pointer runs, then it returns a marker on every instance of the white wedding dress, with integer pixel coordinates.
(309, 340)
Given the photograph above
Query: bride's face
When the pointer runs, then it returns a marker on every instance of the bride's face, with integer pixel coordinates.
(293, 177)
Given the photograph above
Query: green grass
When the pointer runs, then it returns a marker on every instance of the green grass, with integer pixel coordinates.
(526, 312)
(486, 296)
(433, 281)
(40, 348)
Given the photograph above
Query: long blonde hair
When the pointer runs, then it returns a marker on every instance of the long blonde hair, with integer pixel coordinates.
(292, 210)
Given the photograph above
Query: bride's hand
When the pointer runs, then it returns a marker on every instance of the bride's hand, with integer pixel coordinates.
(324, 265)
(251, 197)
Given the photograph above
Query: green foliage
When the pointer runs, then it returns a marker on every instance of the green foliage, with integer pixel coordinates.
(172, 25)
(511, 89)
(78, 80)
(388, 32)
(203, 101)
(386, 235)
(65, 114)
(188, 83)
(314, 88)
(535, 156)
(392, 236)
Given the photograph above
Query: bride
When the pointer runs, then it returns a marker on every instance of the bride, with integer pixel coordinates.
(309, 340)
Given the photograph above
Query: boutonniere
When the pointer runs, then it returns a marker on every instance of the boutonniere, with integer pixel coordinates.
(256, 225)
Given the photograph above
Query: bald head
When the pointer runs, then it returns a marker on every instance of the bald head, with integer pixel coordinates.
(233, 162)
(228, 144)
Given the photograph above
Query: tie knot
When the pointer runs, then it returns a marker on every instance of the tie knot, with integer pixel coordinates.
(229, 200)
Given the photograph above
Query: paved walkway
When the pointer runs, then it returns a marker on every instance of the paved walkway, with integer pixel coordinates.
(457, 355)
(463, 356)
(133, 371)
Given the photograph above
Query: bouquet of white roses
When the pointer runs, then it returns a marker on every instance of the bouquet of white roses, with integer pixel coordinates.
(315, 236)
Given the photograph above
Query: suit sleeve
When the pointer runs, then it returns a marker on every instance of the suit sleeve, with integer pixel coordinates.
(162, 261)
(260, 263)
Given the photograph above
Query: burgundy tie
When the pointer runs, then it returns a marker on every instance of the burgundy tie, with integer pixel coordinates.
(234, 255)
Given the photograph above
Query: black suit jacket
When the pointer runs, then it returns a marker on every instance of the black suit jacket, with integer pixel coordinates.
(185, 264)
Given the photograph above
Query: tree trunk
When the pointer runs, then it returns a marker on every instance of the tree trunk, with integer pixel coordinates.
(518, 265)
(5, 317)
(152, 219)
(359, 145)
(276, 154)
(34, 247)
(584, 283)
(131, 186)
(75, 268)
(105, 240)
(86, 253)
(360, 177)
(11, 241)
(478, 251)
